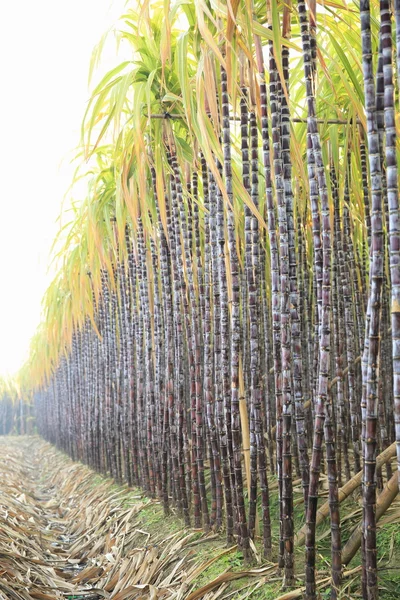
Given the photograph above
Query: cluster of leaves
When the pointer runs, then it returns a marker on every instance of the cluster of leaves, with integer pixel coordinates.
(173, 48)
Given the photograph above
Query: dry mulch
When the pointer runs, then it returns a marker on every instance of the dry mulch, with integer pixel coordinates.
(66, 533)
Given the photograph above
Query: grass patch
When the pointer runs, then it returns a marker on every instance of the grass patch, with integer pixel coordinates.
(153, 522)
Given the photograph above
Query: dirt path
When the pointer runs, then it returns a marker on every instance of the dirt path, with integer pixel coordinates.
(65, 532)
(68, 533)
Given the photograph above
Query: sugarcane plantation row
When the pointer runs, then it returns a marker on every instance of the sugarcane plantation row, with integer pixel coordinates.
(225, 321)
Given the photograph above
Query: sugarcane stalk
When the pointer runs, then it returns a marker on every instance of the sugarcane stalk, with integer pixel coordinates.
(383, 502)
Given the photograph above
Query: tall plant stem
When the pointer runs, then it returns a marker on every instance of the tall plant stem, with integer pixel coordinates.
(323, 417)
(377, 258)
(393, 204)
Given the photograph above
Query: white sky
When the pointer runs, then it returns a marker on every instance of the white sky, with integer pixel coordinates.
(45, 49)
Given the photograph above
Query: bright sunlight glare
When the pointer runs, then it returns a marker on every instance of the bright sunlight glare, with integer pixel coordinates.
(45, 50)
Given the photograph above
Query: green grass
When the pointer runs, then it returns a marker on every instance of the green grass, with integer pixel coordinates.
(389, 584)
(388, 543)
(153, 522)
(231, 562)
